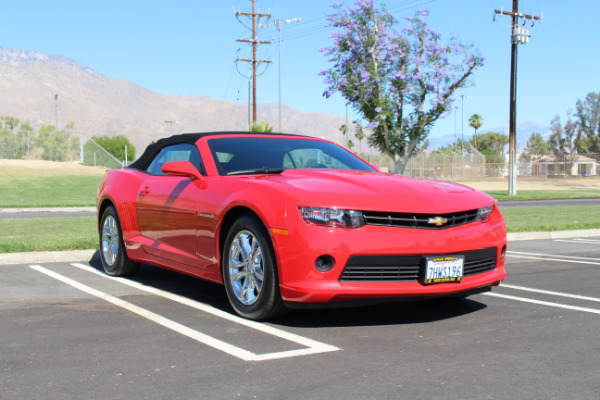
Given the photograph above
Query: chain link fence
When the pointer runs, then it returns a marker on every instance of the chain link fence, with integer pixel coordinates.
(95, 155)
(64, 146)
(469, 164)
(476, 166)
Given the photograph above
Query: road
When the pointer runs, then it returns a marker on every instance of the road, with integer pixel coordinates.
(91, 211)
(69, 331)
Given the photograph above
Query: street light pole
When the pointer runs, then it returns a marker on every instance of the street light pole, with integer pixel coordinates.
(455, 108)
(56, 112)
(278, 26)
(170, 124)
(462, 134)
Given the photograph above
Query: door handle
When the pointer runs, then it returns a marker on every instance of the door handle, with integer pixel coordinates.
(145, 191)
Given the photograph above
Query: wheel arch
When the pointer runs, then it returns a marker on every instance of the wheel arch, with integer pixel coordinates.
(103, 206)
(269, 303)
(230, 217)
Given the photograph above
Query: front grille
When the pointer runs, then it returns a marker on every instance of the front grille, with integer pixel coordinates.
(408, 268)
(382, 268)
(411, 220)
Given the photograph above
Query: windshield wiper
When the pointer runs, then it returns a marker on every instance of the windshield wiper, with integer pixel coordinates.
(258, 171)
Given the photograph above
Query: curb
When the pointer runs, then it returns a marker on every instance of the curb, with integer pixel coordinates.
(47, 257)
(88, 255)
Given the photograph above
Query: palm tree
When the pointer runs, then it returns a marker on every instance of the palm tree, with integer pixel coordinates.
(350, 144)
(261, 127)
(475, 122)
(344, 130)
(360, 135)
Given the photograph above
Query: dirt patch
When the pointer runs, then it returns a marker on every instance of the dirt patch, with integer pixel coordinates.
(592, 182)
(49, 167)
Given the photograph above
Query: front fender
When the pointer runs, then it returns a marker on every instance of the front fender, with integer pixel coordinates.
(120, 188)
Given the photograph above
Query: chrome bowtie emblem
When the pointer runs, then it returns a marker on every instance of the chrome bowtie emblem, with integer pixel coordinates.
(437, 221)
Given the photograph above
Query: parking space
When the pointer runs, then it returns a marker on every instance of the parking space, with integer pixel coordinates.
(69, 331)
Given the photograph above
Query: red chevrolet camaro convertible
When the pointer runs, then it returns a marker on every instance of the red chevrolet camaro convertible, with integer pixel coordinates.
(287, 221)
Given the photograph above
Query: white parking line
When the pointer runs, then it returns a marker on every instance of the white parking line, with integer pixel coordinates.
(544, 303)
(578, 241)
(313, 347)
(560, 294)
(321, 347)
(554, 257)
(587, 240)
(550, 257)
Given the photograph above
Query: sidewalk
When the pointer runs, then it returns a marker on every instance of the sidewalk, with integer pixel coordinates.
(87, 255)
(47, 209)
(46, 257)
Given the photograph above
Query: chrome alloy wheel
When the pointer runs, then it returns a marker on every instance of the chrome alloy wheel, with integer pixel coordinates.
(246, 272)
(110, 240)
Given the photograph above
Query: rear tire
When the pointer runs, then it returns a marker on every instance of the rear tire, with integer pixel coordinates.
(112, 249)
(250, 271)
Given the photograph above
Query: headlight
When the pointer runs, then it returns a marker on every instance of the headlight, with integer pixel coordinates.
(484, 212)
(332, 217)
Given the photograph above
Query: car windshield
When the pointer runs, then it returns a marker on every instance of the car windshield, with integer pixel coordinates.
(236, 155)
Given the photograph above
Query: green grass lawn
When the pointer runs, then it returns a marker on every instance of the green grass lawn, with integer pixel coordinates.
(71, 233)
(22, 187)
(47, 234)
(48, 191)
(532, 219)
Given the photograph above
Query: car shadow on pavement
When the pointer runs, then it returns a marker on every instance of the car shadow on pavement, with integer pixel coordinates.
(388, 313)
(173, 282)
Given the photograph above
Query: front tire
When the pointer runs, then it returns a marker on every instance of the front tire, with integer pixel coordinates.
(250, 271)
(112, 249)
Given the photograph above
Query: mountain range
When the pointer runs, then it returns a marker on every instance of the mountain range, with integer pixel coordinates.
(55, 90)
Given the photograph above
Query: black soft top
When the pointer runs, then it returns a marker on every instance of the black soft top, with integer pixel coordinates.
(190, 138)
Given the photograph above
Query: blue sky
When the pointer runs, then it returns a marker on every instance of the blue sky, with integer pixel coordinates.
(188, 47)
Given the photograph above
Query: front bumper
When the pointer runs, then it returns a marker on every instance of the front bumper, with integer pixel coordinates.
(299, 247)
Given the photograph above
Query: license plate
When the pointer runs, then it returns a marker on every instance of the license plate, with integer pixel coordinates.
(440, 269)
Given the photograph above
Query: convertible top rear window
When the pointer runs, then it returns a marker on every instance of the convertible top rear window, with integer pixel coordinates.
(258, 153)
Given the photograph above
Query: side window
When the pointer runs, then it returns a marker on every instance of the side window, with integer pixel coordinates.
(178, 152)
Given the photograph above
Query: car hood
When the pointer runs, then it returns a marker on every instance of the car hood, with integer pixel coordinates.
(377, 191)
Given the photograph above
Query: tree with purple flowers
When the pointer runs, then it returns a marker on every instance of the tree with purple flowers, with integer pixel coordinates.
(400, 82)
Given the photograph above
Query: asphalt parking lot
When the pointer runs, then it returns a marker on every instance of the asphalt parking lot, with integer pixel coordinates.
(69, 331)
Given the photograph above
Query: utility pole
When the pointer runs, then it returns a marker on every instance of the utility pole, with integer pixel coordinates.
(519, 35)
(254, 43)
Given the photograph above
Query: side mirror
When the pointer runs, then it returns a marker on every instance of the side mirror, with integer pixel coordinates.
(181, 168)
